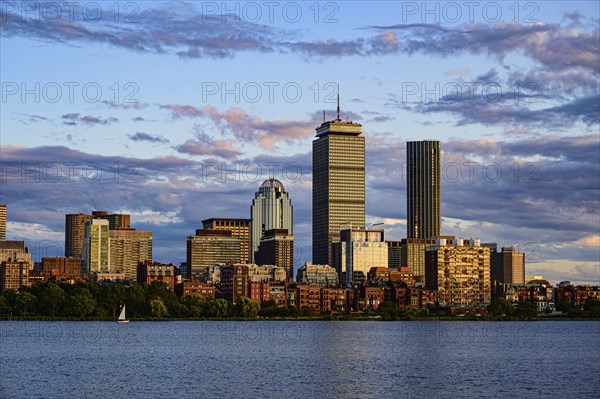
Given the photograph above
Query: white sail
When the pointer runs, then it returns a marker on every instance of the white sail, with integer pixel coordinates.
(122, 315)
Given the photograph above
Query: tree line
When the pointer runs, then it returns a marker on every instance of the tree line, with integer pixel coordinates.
(93, 300)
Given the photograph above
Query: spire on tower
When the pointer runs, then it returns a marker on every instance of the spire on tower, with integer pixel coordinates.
(338, 103)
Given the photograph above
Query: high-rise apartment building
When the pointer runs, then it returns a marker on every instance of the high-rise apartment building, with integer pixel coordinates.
(271, 209)
(2, 222)
(357, 252)
(508, 266)
(62, 268)
(15, 251)
(338, 183)
(96, 249)
(118, 221)
(14, 274)
(75, 229)
(412, 255)
(74, 234)
(317, 275)
(423, 189)
(128, 247)
(459, 270)
(394, 248)
(208, 248)
(240, 228)
(277, 248)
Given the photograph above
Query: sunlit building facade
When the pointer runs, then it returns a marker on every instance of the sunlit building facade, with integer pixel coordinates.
(271, 209)
(338, 184)
(423, 189)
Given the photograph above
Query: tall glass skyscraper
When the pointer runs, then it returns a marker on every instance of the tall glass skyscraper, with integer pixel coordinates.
(271, 209)
(423, 189)
(338, 184)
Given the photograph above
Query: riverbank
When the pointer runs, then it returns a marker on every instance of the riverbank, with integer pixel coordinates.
(315, 318)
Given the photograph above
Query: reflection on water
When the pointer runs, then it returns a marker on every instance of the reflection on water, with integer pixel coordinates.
(299, 359)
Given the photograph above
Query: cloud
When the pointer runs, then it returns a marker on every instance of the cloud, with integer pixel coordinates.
(75, 119)
(125, 105)
(32, 118)
(589, 241)
(248, 128)
(552, 45)
(206, 145)
(152, 138)
(458, 72)
(180, 30)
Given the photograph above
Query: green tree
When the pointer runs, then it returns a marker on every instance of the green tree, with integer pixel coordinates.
(591, 308)
(409, 313)
(564, 307)
(526, 310)
(81, 302)
(4, 308)
(501, 307)
(194, 304)
(246, 308)
(217, 308)
(111, 297)
(158, 308)
(158, 289)
(135, 299)
(51, 299)
(11, 298)
(25, 303)
(388, 310)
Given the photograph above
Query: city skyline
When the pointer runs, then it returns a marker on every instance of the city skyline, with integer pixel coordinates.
(162, 156)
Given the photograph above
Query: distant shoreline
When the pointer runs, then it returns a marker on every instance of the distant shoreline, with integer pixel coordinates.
(320, 318)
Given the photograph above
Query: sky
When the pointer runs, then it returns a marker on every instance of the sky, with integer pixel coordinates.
(175, 112)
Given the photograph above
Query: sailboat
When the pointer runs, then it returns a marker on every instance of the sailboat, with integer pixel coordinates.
(122, 318)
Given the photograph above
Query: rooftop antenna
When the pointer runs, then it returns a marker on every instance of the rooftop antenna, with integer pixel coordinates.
(338, 103)
(323, 116)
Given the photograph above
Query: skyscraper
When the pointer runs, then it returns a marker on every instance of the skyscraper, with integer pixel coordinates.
(508, 266)
(96, 249)
(357, 251)
(209, 247)
(127, 248)
(423, 189)
(338, 183)
(240, 228)
(277, 248)
(74, 233)
(2, 222)
(271, 209)
(459, 270)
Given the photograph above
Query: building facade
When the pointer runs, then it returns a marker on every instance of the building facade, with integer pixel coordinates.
(508, 266)
(394, 249)
(338, 184)
(459, 270)
(412, 255)
(74, 234)
(14, 274)
(96, 249)
(62, 268)
(357, 252)
(317, 275)
(208, 248)
(2, 222)
(271, 209)
(240, 228)
(148, 271)
(15, 250)
(423, 189)
(128, 247)
(277, 248)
